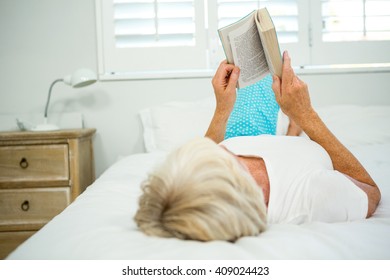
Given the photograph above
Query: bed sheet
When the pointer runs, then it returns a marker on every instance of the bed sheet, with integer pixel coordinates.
(99, 224)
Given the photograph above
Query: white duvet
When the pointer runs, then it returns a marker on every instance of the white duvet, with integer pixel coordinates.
(99, 224)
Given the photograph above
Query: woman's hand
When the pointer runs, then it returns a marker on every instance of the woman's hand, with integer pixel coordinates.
(224, 83)
(291, 93)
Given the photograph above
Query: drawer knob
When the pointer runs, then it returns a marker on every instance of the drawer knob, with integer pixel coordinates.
(25, 205)
(23, 163)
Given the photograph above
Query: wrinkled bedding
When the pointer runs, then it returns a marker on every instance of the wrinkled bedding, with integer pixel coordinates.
(99, 224)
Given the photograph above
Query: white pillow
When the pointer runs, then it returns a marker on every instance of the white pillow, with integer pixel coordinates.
(170, 125)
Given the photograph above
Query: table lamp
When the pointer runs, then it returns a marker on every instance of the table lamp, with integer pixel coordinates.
(80, 78)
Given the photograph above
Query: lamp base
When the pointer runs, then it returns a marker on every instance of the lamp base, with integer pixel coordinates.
(45, 127)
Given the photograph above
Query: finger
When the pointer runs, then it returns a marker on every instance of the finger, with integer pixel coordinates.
(224, 64)
(276, 87)
(223, 71)
(287, 71)
(286, 59)
(233, 79)
(217, 76)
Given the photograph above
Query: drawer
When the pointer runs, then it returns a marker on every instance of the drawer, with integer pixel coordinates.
(30, 209)
(37, 163)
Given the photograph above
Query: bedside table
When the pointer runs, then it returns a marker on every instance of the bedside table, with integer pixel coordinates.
(41, 173)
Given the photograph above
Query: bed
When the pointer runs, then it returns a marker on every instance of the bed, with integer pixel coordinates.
(99, 223)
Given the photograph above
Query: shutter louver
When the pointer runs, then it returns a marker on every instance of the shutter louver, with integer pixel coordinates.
(355, 20)
(154, 23)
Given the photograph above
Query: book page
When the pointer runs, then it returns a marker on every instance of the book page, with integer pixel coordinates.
(248, 54)
(224, 34)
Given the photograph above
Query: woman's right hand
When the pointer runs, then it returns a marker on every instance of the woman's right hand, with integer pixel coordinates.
(224, 83)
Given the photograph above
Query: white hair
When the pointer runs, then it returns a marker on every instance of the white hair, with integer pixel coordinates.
(201, 192)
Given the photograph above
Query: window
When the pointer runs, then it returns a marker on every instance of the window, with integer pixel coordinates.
(351, 20)
(145, 37)
(350, 31)
(154, 23)
(167, 38)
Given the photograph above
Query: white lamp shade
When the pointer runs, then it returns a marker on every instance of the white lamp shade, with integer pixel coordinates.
(81, 78)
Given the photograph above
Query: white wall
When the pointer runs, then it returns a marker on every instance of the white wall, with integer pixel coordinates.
(42, 40)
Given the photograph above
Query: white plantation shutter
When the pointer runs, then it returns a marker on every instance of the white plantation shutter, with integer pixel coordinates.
(354, 20)
(151, 36)
(351, 31)
(168, 39)
(154, 23)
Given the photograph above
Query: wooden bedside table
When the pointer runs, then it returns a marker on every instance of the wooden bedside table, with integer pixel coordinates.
(40, 174)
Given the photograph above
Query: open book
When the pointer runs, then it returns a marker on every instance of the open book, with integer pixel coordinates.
(252, 44)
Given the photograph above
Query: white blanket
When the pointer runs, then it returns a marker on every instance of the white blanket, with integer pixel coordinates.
(99, 224)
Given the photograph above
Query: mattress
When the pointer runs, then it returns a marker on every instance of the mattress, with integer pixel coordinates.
(99, 223)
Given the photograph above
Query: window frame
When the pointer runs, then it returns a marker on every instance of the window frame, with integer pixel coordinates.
(345, 52)
(167, 61)
(310, 53)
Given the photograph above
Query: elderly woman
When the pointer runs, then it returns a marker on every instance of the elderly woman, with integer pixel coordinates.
(216, 189)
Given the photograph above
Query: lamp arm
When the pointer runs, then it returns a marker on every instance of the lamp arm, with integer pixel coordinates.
(48, 97)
